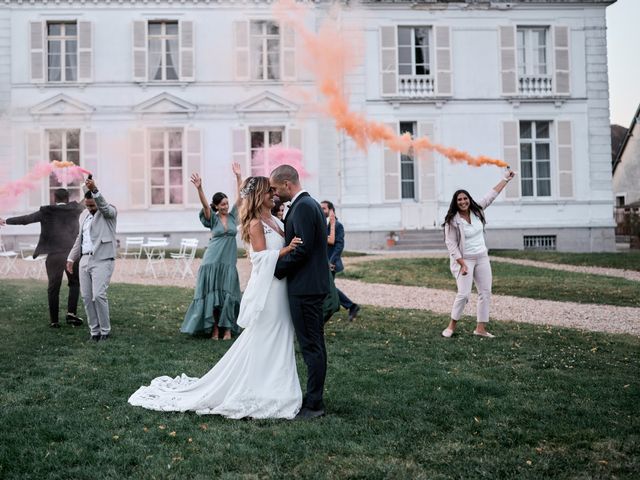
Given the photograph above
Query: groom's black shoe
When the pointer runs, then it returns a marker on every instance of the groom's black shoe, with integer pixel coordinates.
(73, 319)
(353, 312)
(309, 414)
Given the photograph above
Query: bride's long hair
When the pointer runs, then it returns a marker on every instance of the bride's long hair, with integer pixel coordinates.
(252, 192)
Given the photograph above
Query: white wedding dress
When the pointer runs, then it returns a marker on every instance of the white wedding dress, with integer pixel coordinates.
(257, 377)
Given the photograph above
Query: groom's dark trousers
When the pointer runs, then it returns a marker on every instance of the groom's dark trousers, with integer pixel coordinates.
(307, 273)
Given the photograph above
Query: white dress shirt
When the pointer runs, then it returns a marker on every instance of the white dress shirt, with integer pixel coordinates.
(87, 246)
(290, 202)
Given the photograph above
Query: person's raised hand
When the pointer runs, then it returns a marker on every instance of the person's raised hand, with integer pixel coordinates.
(509, 174)
(237, 171)
(196, 180)
(3, 222)
(90, 184)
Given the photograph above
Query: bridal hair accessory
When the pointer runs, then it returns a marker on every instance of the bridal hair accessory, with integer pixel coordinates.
(249, 187)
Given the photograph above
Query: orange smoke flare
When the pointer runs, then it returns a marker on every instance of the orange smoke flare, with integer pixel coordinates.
(329, 54)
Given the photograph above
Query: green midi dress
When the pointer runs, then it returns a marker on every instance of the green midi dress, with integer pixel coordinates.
(217, 286)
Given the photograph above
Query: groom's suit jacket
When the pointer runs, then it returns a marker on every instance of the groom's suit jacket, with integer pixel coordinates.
(102, 232)
(306, 268)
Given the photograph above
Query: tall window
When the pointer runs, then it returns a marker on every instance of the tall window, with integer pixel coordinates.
(62, 51)
(64, 146)
(532, 51)
(535, 158)
(163, 50)
(265, 50)
(166, 167)
(407, 165)
(413, 51)
(263, 138)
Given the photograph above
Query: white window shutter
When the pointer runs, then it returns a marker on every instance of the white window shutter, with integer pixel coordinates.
(241, 42)
(511, 154)
(444, 67)
(391, 171)
(561, 60)
(288, 53)
(35, 155)
(89, 158)
(138, 185)
(294, 138)
(85, 51)
(193, 163)
(565, 159)
(240, 146)
(427, 164)
(187, 51)
(388, 60)
(508, 60)
(37, 52)
(140, 51)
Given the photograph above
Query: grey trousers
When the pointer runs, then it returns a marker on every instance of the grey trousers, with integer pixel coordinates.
(94, 282)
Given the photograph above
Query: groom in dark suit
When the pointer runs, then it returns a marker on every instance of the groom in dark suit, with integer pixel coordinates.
(307, 273)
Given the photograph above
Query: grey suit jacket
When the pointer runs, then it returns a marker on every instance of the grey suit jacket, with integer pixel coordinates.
(102, 232)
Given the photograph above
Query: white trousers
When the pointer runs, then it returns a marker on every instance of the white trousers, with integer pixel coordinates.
(478, 271)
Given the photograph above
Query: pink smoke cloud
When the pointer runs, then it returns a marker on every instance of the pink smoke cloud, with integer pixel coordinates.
(266, 159)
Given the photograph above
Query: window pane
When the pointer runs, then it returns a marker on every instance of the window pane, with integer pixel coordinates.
(542, 151)
(257, 140)
(422, 55)
(54, 47)
(53, 181)
(527, 188)
(54, 28)
(171, 61)
(407, 127)
(175, 140)
(543, 170)
(175, 176)
(73, 156)
(544, 188)
(71, 46)
(175, 195)
(408, 190)
(73, 139)
(273, 28)
(525, 129)
(70, 29)
(55, 139)
(256, 27)
(157, 196)
(155, 28)
(273, 66)
(172, 28)
(421, 36)
(275, 137)
(175, 158)
(542, 37)
(405, 69)
(527, 169)
(404, 36)
(55, 155)
(404, 55)
(406, 170)
(157, 140)
(525, 151)
(257, 59)
(157, 176)
(157, 159)
(542, 129)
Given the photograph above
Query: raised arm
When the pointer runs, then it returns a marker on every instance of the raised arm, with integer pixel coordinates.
(237, 171)
(107, 210)
(34, 217)
(331, 238)
(206, 208)
(508, 176)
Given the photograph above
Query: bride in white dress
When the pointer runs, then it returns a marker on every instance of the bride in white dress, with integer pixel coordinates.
(257, 377)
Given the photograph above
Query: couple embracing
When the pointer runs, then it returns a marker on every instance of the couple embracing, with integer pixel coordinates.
(257, 377)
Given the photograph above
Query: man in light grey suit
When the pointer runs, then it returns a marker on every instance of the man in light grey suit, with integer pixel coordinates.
(95, 245)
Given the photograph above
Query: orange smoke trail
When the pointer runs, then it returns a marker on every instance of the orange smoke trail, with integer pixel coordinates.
(328, 54)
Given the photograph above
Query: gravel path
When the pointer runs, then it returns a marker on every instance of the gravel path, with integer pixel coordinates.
(600, 318)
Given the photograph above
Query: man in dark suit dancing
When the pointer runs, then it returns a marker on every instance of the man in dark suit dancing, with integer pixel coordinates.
(58, 231)
(307, 273)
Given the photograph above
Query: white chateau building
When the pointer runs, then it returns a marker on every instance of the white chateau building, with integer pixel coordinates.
(145, 92)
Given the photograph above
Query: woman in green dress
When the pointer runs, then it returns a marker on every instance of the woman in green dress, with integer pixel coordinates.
(216, 300)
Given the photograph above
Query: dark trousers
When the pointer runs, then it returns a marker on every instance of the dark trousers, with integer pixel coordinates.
(56, 264)
(344, 300)
(306, 314)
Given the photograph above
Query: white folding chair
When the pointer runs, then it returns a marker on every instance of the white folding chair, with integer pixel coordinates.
(9, 260)
(133, 249)
(35, 266)
(155, 250)
(184, 258)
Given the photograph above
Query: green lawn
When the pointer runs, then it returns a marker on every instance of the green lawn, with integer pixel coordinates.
(403, 402)
(508, 279)
(626, 260)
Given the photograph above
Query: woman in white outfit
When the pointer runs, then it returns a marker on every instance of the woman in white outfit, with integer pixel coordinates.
(257, 377)
(464, 236)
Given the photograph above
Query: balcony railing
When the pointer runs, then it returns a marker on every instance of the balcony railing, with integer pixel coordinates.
(415, 86)
(535, 85)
